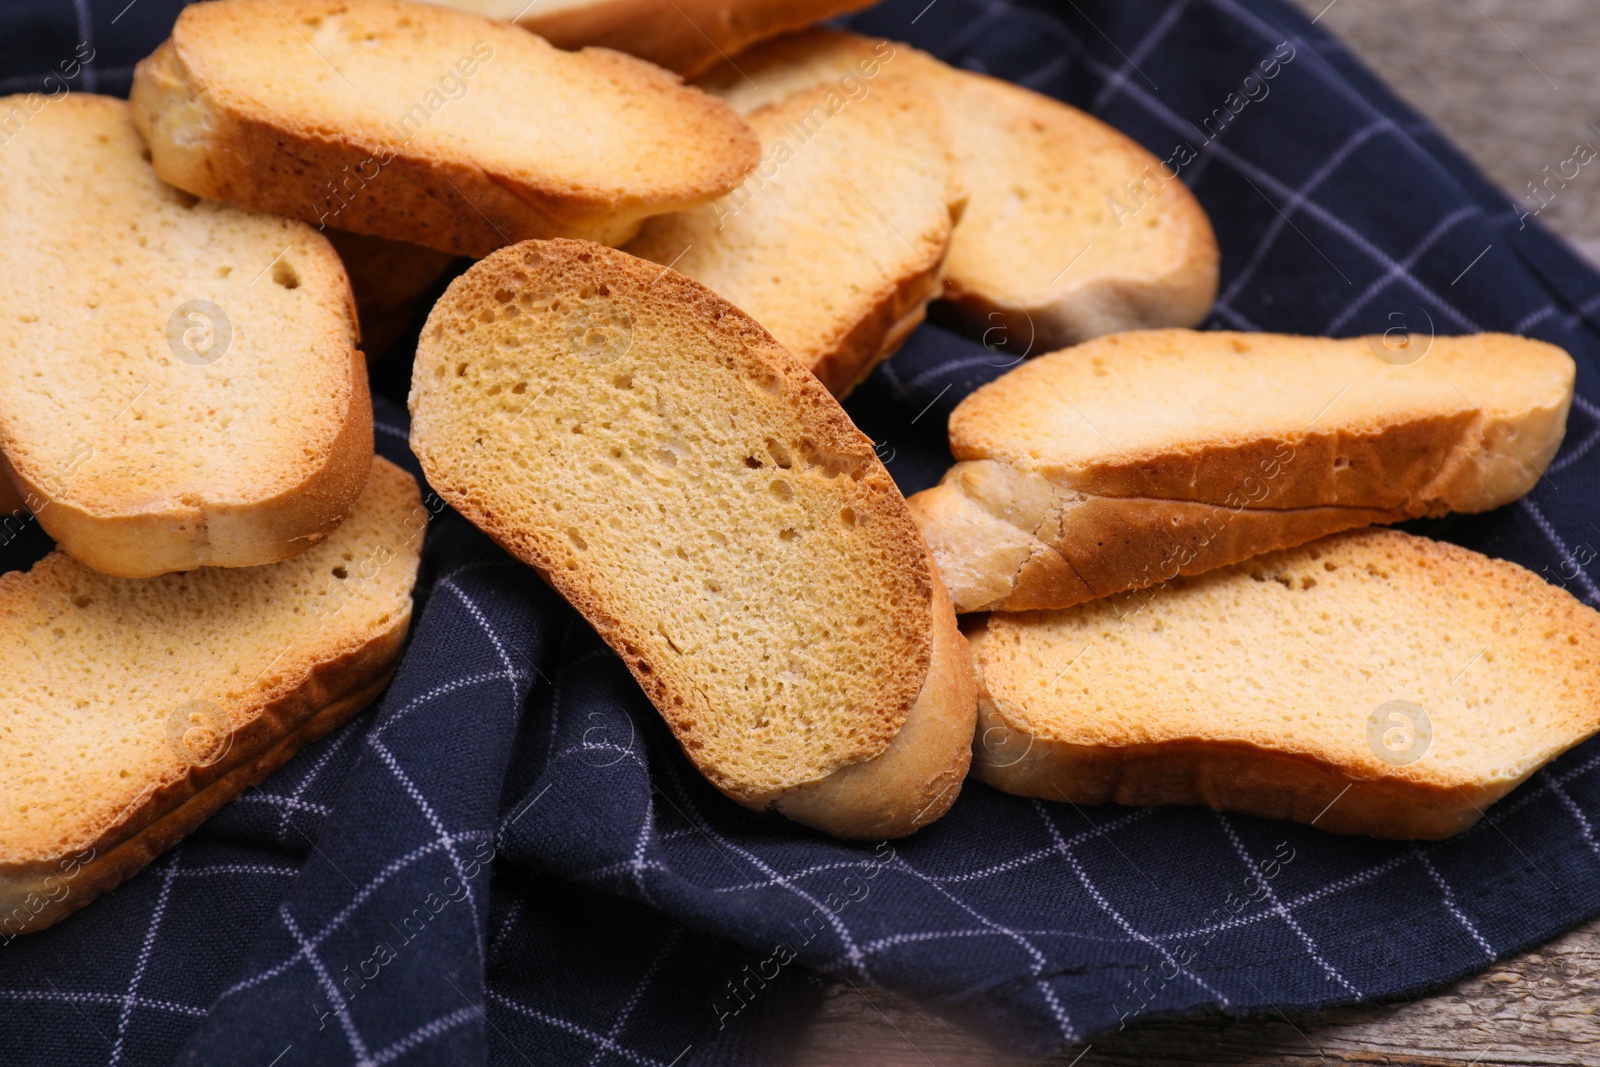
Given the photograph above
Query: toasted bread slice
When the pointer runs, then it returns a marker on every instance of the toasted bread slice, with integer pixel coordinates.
(834, 242)
(387, 278)
(1131, 459)
(1371, 682)
(426, 125)
(1071, 230)
(179, 382)
(135, 708)
(709, 507)
(686, 36)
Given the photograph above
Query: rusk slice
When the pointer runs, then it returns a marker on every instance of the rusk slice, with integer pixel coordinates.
(711, 510)
(135, 708)
(687, 36)
(179, 382)
(1134, 458)
(834, 242)
(422, 124)
(1071, 229)
(1368, 683)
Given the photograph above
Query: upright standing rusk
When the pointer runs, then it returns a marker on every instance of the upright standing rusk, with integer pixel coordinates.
(711, 510)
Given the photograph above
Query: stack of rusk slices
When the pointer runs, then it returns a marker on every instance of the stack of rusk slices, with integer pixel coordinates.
(1169, 543)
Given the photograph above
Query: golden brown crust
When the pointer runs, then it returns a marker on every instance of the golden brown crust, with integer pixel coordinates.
(1007, 541)
(914, 781)
(1047, 508)
(346, 610)
(689, 36)
(879, 333)
(750, 353)
(222, 140)
(141, 541)
(1424, 451)
(1210, 745)
(163, 819)
(1226, 776)
(109, 515)
(865, 246)
(1042, 177)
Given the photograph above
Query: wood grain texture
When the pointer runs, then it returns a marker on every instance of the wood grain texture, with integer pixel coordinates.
(1513, 83)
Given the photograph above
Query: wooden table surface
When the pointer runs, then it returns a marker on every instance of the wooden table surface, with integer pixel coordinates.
(1515, 84)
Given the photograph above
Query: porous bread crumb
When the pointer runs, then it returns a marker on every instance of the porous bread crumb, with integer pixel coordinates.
(1276, 665)
(1041, 258)
(179, 383)
(422, 124)
(834, 241)
(709, 508)
(125, 695)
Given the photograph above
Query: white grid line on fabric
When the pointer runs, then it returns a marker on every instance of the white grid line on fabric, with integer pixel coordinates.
(1296, 199)
(424, 1033)
(341, 1009)
(494, 638)
(444, 836)
(1349, 881)
(1324, 73)
(1590, 305)
(919, 937)
(1022, 861)
(966, 876)
(1423, 247)
(513, 913)
(694, 815)
(886, 369)
(484, 565)
(638, 991)
(584, 747)
(389, 871)
(437, 691)
(1570, 456)
(1450, 905)
(103, 999)
(638, 863)
(1039, 76)
(962, 363)
(1526, 795)
(1105, 905)
(283, 804)
(1561, 546)
(392, 431)
(1147, 44)
(294, 798)
(1282, 912)
(1549, 311)
(156, 912)
(1584, 825)
(237, 868)
(85, 18)
(567, 1025)
(1063, 1021)
(600, 876)
(1244, 167)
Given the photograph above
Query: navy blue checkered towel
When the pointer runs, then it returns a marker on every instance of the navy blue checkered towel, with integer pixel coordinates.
(509, 861)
